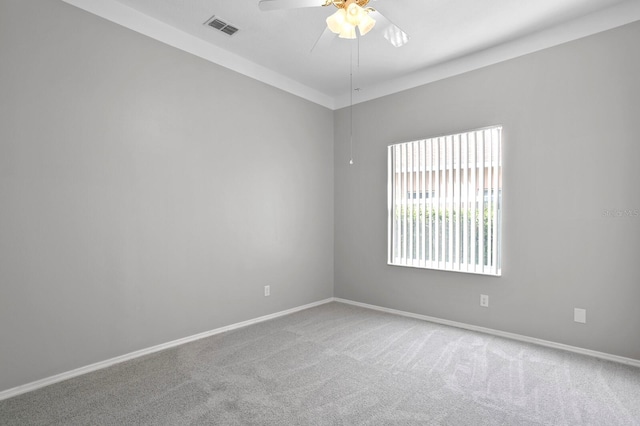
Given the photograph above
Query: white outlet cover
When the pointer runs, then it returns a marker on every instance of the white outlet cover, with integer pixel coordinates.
(484, 300)
(580, 315)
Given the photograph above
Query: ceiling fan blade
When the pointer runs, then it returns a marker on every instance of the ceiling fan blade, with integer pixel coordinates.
(389, 30)
(287, 4)
(324, 40)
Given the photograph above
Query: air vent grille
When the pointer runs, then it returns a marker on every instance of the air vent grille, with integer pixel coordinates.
(229, 30)
(221, 25)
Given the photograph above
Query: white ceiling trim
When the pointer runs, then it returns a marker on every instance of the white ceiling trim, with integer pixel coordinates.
(143, 24)
(606, 19)
(617, 15)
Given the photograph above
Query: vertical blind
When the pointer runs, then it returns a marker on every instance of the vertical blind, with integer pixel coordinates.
(444, 202)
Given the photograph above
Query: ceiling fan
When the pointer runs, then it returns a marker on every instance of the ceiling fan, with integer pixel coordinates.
(352, 19)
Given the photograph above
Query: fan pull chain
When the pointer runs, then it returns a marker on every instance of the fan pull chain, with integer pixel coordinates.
(351, 89)
(351, 105)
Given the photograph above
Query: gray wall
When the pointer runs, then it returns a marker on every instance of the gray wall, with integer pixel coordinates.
(145, 194)
(571, 118)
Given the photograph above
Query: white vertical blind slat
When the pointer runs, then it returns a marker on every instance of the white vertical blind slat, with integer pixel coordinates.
(472, 200)
(465, 223)
(489, 185)
(430, 145)
(449, 201)
(496, 188)
(458, 203)
(480, 166)
(437, 236)
(410, 201)
(404, 204)
(423, 182)
(389, 200)
(442, 200)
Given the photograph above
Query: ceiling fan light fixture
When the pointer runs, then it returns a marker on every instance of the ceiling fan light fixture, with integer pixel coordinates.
(354, 14)
(366, 24)
(345, 20)
(352, 19)
(337, 21)
(348, 32)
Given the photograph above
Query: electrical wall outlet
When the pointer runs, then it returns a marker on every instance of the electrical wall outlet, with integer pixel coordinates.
(267, 290)
(484, 300)
(580, 315)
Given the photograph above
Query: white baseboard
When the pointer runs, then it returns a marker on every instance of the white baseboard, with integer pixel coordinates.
(104, 364)
(513, 336)
(107, 363)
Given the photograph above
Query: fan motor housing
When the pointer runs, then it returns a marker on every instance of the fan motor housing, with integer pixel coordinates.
(343, 4)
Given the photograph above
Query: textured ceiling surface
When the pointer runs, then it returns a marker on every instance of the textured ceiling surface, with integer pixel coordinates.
(441, 32)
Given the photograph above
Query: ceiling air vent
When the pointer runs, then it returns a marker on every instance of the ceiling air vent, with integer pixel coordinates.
(221, 25)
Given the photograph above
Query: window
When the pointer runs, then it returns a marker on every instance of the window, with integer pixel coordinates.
(445, 202)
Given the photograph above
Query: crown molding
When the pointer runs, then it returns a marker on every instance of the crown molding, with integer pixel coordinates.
(143, 24)
(603, 20)
(612, 17)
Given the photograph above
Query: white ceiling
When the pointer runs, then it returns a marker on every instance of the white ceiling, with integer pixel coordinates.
(447, 37)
